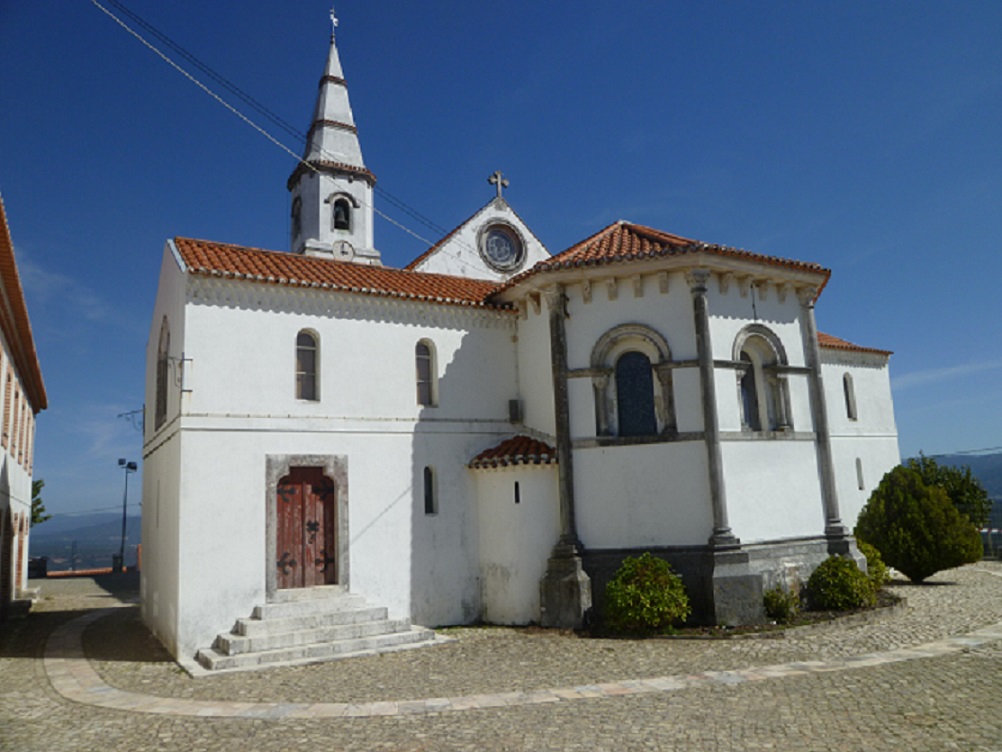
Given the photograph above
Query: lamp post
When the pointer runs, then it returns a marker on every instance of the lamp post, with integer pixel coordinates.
(129, 467)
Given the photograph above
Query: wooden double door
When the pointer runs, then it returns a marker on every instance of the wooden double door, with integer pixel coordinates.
(306, 531)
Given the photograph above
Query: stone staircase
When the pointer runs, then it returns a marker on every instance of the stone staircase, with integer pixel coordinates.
(309, 625)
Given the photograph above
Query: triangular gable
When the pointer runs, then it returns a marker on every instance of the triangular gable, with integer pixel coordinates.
(462, 252)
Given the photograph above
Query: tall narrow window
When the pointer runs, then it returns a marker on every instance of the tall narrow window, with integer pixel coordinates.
(427, 386)
(518, 493)
(163, 353)
(342, 214)
(859, 474)
(306, 366)
(430, 502)
(17, 413)
(850, 397)
(7, 408)
(635, 395)
(749, 395)
(297, 217)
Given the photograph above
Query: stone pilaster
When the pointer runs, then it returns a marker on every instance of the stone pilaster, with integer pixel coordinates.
(835, 531)
(722, 536)
(565, 590)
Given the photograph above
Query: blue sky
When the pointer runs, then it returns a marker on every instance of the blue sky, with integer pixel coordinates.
(864, 136)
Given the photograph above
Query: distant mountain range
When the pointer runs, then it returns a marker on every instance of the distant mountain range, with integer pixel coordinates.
(84, 541)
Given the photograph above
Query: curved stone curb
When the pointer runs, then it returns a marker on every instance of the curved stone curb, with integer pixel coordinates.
(73, 677)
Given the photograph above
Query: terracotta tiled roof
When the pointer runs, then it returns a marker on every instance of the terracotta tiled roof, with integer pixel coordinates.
(834, 343)
(14, 321)
(624, 241)
(210, 259)
(518, 450)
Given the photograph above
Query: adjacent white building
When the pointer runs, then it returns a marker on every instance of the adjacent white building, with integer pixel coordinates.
(487, 433)
(23, 396)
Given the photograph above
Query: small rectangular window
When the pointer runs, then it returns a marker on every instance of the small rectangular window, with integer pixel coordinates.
(518, 493)
(430, 500)
(859, 474)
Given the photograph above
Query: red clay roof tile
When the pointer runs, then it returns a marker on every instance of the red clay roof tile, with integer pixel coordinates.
(624, 241)
(835, 343)
(15, 323)
(518, 450)
(206, 258)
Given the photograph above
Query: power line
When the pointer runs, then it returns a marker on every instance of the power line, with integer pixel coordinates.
(272, 116)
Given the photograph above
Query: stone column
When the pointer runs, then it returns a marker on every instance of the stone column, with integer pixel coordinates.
(835, 531)
(722, 536)
(565, 590)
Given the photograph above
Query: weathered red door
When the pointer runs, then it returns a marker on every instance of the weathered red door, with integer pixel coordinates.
(306, 530)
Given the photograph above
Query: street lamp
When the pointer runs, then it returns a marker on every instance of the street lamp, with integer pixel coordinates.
(128, 467)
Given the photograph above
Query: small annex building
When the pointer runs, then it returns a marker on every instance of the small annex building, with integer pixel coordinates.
(23, 397)
(487, 433)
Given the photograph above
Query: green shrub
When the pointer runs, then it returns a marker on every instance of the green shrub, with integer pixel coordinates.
(916, 528)
(645, 596)
(876, 570)
(782, 606)
(839, 585)
(965, 491)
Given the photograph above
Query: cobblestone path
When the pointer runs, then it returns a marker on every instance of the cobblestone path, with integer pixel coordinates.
(926, 677)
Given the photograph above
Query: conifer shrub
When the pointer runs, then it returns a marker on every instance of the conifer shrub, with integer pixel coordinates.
(876, 570)
(645, 597)
(915, 527)
(839, 585)
(782, 606)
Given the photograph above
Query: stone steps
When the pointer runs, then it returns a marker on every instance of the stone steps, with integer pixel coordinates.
(306, 626)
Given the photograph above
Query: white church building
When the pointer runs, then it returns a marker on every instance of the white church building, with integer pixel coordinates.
(485, 434)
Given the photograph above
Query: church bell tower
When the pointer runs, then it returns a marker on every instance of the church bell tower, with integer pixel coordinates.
(331, 187)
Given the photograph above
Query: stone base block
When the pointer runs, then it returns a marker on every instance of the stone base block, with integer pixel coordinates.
(565, 593)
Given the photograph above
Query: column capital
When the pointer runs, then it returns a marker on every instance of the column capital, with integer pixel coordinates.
(697, 279)
(806, 296)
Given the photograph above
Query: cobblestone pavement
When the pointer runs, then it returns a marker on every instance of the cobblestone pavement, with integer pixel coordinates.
(867, 687)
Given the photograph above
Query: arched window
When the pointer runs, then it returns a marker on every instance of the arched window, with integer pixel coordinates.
(430, 498)
(297, 217)
(762, 388)
(427, 381)
(306, 366)
(163, 360)
(342, 214)
(850, 396)
(632, 379)
(635, 395)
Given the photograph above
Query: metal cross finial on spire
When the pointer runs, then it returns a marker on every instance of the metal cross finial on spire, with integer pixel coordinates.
(497, 179)
(334, 21)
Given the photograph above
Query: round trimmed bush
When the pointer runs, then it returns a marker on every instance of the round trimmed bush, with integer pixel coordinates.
(645, 597)
(876, 570)
(839, 585)
(916, 527)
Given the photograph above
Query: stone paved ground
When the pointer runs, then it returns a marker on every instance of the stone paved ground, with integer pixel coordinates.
(950, 701)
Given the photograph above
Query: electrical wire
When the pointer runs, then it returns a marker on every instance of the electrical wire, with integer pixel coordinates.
(399, 204)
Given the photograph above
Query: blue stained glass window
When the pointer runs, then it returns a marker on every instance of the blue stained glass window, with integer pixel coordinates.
(635, 395)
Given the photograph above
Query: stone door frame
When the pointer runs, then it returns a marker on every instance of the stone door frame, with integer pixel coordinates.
(277, 466)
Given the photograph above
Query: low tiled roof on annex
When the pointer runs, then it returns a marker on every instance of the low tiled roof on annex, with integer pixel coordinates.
(211, 259)
(625, 241)
(518, 450)
(836, 343)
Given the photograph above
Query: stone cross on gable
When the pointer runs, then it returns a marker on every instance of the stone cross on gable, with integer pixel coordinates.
(497, 179)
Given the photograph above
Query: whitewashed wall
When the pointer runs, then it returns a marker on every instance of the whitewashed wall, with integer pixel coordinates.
(515, 539)
(240, 407)
(872, 438)
(459, 254)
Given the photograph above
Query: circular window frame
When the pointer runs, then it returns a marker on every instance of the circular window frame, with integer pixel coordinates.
(519, 260)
